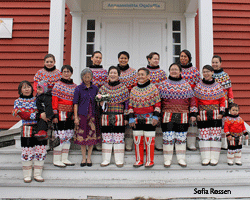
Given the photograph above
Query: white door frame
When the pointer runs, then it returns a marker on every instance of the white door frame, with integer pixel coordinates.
(167, 17)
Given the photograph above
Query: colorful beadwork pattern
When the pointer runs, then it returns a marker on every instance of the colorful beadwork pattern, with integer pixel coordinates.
(208, 91)
(64, 91)
(119, 94)
(129, 78)
(99, 76)
(191, 75)
(144, 97)
(50, 77)
(170, 89)
(157, 76)
(26, 105)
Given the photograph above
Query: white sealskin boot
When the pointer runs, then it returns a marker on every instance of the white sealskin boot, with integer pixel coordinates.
(205, 152)
(129, 144)
(191, 138)
(223, 140)
(57, 157)
(106, 154)
(181, 154)
(119, 154)
(237, 157)
(230, 157)
(215, 147)
(27, 171)
(168, 154)
(38, 168)
(65, 154)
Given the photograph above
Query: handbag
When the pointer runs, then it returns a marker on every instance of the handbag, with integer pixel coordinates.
(54, 142)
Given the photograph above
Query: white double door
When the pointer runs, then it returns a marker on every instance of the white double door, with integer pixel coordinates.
(139, 37)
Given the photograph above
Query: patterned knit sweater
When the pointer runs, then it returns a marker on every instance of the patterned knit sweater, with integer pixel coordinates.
(62, 96)
(51, 77)
(99, 75)
(119, 97)
(222, 77)
(210, 96)
(157, 75)
(145, 99)
(177, 96)
(128, 76)
(234, 126)
(27, 105)
(191, 74)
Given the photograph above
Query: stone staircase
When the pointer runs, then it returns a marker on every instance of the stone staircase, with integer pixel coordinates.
(76, 182)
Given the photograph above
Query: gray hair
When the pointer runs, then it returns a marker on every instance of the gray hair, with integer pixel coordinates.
(85, 71)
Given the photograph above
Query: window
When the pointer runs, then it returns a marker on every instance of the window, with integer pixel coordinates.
(90, 40)
(176, 35)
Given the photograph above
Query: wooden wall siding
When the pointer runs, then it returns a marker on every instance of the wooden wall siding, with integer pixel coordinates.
(22, 56)
(232, 42)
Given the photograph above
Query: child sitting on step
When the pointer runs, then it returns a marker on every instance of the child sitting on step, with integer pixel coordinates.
(234, 128)
(44, 104)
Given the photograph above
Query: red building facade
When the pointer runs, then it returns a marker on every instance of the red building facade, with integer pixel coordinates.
(22, 56)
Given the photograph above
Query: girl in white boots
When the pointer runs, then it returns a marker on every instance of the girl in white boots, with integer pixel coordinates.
(235, 129)
(32, 148)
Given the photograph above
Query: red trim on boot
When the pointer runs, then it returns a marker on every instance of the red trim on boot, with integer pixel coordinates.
(139, 150)
(150, 143)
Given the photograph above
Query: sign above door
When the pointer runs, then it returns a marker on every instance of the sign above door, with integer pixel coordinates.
(111, 5)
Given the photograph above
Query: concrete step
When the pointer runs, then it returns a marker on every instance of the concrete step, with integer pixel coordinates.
(12, 155)
(75, 182)
(127, 182)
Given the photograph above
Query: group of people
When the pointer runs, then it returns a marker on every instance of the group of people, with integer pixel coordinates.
(120, 106)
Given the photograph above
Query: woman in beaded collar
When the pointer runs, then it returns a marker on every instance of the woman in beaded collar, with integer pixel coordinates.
(210, 100)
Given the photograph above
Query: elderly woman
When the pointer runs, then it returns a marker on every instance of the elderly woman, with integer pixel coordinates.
(192, 76)
(114, 118)
(210, 100)
(85, 114)
(144, 112)
(62, 104)
(177, 101)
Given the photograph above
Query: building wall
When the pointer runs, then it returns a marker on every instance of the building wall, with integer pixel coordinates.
(231, 42)
(22, 56)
